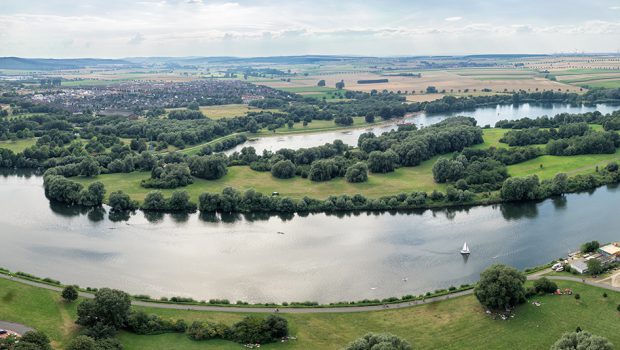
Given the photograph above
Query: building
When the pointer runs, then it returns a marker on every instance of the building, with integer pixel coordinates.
(611, 251)
(579, 266)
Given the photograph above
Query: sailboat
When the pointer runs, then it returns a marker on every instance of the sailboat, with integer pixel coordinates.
(465, 249)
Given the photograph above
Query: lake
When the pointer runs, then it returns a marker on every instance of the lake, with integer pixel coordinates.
(484, 116)
(318, 257)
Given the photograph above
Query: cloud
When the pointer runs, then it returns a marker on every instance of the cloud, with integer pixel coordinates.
(136, 39)
(453, 19)
(614, 8)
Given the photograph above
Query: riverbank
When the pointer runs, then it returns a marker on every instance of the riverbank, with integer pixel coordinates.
(457, 323)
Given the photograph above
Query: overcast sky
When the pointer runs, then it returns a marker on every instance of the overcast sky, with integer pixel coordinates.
(122, 28)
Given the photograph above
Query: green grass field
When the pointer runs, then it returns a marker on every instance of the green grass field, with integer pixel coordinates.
(459, 323)
(18, 145)
(571, 165)
(418, 178)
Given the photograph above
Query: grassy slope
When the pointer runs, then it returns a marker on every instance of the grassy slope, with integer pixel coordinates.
(459, 323)
(418, 178)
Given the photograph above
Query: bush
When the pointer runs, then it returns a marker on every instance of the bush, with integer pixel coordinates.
(154, 201)
(179, 201)
(210, 167)
(379, 341)
(581, 340)
(34, 340)
(69, 293)
(140, 322)
(382, 162)
(81, 342)
(544, 285)
(169, 176)
(356, 173)
(284, 169)
(577, 296)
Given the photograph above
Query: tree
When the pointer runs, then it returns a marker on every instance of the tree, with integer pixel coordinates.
(582, 341)
(447, 170)
(379, 341)
(321, 83)
(179, 201)
(69, 293)
(33, 340)
(431, 90)
(369, 118)
(500, 287)
(382, 162)
(194, 106)
(82, 342)
(544, 285)
(340, 85)
(93, 195)
(89, 167)
(210, 167)
(594, 266)
(121, 201)
(284, 169)
(520, 188)
(590, 247)
(109, 307)
(154, 200)
(357, 172)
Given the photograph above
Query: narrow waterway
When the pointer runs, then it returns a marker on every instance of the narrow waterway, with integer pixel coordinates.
(484, 116)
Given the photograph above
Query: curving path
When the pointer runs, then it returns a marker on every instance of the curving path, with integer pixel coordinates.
(308, 310)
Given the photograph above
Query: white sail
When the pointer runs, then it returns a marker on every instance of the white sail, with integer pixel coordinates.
(465, 249)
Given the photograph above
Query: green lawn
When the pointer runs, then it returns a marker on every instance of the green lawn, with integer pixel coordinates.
(459, 323)
(18, 145)
(571, 165)
(491, 138)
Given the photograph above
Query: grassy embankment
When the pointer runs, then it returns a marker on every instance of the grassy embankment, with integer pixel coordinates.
(459, 323)
(418, 178)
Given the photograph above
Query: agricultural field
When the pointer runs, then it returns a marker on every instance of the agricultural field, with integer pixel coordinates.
(459, 323)
(453, 81)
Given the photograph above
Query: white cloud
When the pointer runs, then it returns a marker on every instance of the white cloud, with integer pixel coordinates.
(614, 8)
(136, 39)
(453, 19)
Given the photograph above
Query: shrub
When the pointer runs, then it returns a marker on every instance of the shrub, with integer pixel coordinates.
(357, 172)
(590, 247)
(82, 342)
(544, 285)
(581, 340)
(577, 296)
(372, 341)
(34, 340)
(209, 167)
(69, 293)
(284, 169)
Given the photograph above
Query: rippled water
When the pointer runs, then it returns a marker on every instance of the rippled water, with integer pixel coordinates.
(319, 257)
(484, 116)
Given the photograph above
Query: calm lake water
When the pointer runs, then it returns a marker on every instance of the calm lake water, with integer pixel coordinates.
(484, 116)
(319, 257)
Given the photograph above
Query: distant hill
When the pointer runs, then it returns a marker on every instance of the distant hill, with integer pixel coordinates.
(305, 59)
(54, 64)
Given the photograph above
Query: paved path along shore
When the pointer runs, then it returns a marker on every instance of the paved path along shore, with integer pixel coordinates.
(308, 310)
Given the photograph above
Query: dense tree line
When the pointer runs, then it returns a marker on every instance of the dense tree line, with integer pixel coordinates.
(590, 143)
(250, 330)
(532, 136)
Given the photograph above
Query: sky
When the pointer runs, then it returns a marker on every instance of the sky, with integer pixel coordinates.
(122, 28)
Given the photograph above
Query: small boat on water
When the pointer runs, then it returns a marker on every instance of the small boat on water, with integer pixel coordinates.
(465, 249)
